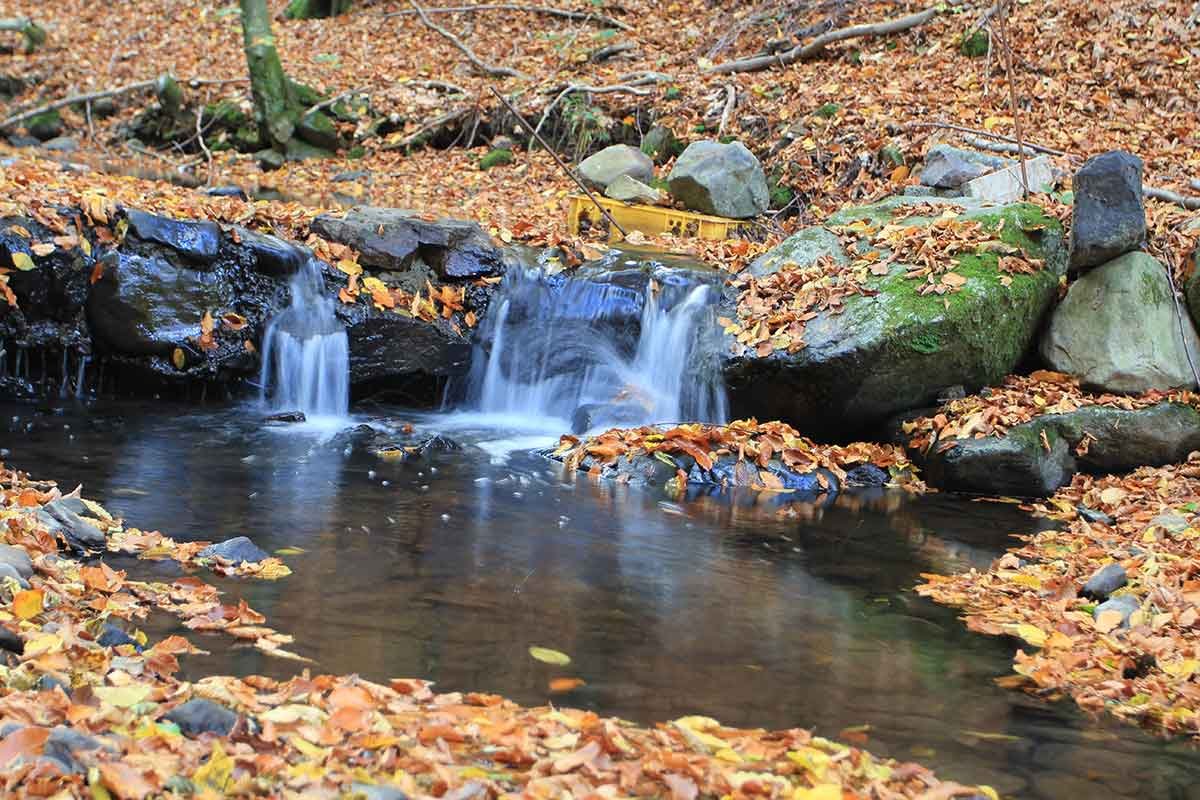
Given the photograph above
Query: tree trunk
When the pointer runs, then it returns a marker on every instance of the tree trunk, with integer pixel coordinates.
(275, 107)
(315, 9)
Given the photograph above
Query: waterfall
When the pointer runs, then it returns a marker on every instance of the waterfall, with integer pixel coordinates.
(306, 354)
(599, 352)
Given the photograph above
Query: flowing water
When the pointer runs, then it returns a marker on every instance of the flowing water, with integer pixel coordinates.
(306, 354)
(589, 353)
(451, 568)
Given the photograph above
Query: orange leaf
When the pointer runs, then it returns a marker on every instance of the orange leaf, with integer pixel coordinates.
(23, 742)
(125, 781)
(566, 684)
(102, 578)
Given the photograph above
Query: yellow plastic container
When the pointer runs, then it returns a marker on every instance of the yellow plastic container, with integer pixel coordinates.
(583, 215)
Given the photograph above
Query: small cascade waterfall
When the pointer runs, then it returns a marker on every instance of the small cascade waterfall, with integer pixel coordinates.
(581, 350)
(306, 354)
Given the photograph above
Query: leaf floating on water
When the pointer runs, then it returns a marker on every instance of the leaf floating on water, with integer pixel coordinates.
(22, 261)
(566, 684)
(290, 551)
(178, 358)
(548, 656)
(29, 603)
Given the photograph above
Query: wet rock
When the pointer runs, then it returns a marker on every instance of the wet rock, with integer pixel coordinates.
(351, 175)
(1117, 330)
(801, 249)
(112, 636)
(61, 144)
(287, 416)
(866, 475)
(24, 141)
(1109, 215)
(721, 179)
(1104, 582)
(199, 716)
(1125, 604)
(368, 791)
(64, 745)
(896, 350)
(949, 167)
(11, 641)
(391, 238)
(61, 519)
(630, 190)
(607, 415)
(8, 571)
(18, 559)
(196, 241)
(272, 255)
(601, 169)
(227, 191)
(437, 444)
(1094, 516)
(238, 550)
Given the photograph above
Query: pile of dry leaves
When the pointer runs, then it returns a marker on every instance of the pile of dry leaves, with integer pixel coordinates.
(1146, 667)
(1020, 399)
(111, 722)
(744, 443)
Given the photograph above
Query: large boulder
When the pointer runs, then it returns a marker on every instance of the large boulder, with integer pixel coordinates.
(897, 349)
(385, 346)
(1119, 330)
(601, 169)
(1109, 217)
(199, 242)
(392, 238)
(721, 179)
(1037, 458)
(801, 249)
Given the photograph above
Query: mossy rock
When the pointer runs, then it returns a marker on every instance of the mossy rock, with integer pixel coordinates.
(975, 45)
(496, 158)
(224, 114)
(897, 349)
(318, 130)
(45, 126)
(829, 110)
(316, 9)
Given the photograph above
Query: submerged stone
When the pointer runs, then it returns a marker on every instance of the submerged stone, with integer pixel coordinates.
(238, 550)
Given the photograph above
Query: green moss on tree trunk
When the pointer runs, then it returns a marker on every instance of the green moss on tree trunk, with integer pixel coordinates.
(275, 107)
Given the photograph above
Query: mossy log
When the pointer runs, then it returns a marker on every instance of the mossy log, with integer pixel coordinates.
(35, 35)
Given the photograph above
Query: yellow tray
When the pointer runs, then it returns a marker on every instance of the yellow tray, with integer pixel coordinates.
(583, 214)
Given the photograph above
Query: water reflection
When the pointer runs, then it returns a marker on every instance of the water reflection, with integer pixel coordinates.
(746, 608)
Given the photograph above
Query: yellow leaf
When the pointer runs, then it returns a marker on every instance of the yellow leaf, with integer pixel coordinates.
(1112, 495)
(1030, 581)
(1107, 620)
(548, 656)
(349, 267)
(122, 696)
(217, 772)
(826, 791)
(29, 603)
(1181, 669)
(22, 261)
(1032, 634)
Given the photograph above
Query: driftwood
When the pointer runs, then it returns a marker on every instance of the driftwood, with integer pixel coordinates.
(480, 64)
(807, 51)
(582, 16)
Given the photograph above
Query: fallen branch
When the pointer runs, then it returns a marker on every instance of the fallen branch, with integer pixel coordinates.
(986, 134)
(332, 101)
(441, 86)
(1166, 195)
(480, 64)
(584, 16)
(77, 98)
(607, 52)
(437, 122)
(804, 52)
(581, 87)
(204, 147)
(35, 35)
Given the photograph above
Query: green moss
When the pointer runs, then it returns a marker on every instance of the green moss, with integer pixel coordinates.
(316, 9)
(224, 114)
(925, 342)
(828, 110)
(356, 152)
(305, 96)
(673, 93)
(975, 45)
(780, 195)
(1154, 290)
(495, 158)
(46, 125)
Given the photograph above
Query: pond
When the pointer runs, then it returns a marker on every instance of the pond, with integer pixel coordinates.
(743, 608)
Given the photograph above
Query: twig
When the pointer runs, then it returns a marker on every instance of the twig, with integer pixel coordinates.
(1002, 24)
(204, 147)
(605, 53)
(1166, 195)
(480, 64)
(987, 134)
(433, 124)
(332, 101)
(598, 19)
(87, 111)
(537, 137)
(730, 103)
(441, 86)
(804, 52)
(581, 87)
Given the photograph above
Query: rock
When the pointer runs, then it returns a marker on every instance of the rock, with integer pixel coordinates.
(601, 169)
(1117, 330)
(78, 532)
(1126, 605)
(1105, 581)
(318, 130)
(18, 559)
(45, 126)
(198, 716)
(1109, 216)
(272, 255)
(801, 249)
(1007, 186)
(227, 191)
(631, 190)
(11, 641)
(64, 744)
(8, 571)
(606, 415)
(866, 475)
(1094, 516)
(148, 306)
(949, 167)
(269, 159)
(391, 238)
(238, 550)
(24, 141)
(112, 636)
(390, 347)
(287, 416)
(61, 144)
(196, 241)
(1019, 464)
(48, 683)
(368, 791)
(721, 179)
(660, 144)
(495, 158)
(898, 350)
(351, 175)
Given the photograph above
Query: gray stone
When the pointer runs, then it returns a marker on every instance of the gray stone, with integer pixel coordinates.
(1007, 185)
(1109, 217)
(866, 475)
(391, 238)
(198, 716)
(801, 249)
(11, 641)
(17, 558)
(1126, 604)
(631, 190)
(64, 745)
(601, 169)
(1094, 516)
(61, 144)
(369, 791)
(196, 241)
(721, 179)
(78, 532)
(1105, 581)
(9, 571)
(949, 167)
(238, 550)
(1118, 330)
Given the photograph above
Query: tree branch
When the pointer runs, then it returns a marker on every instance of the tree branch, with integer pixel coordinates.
(598, 19)
(480, 64)
(1166, 195)
(986, 134)
(77, 98)
(807, 51)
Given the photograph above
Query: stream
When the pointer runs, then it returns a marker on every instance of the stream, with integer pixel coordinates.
(450, 568)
